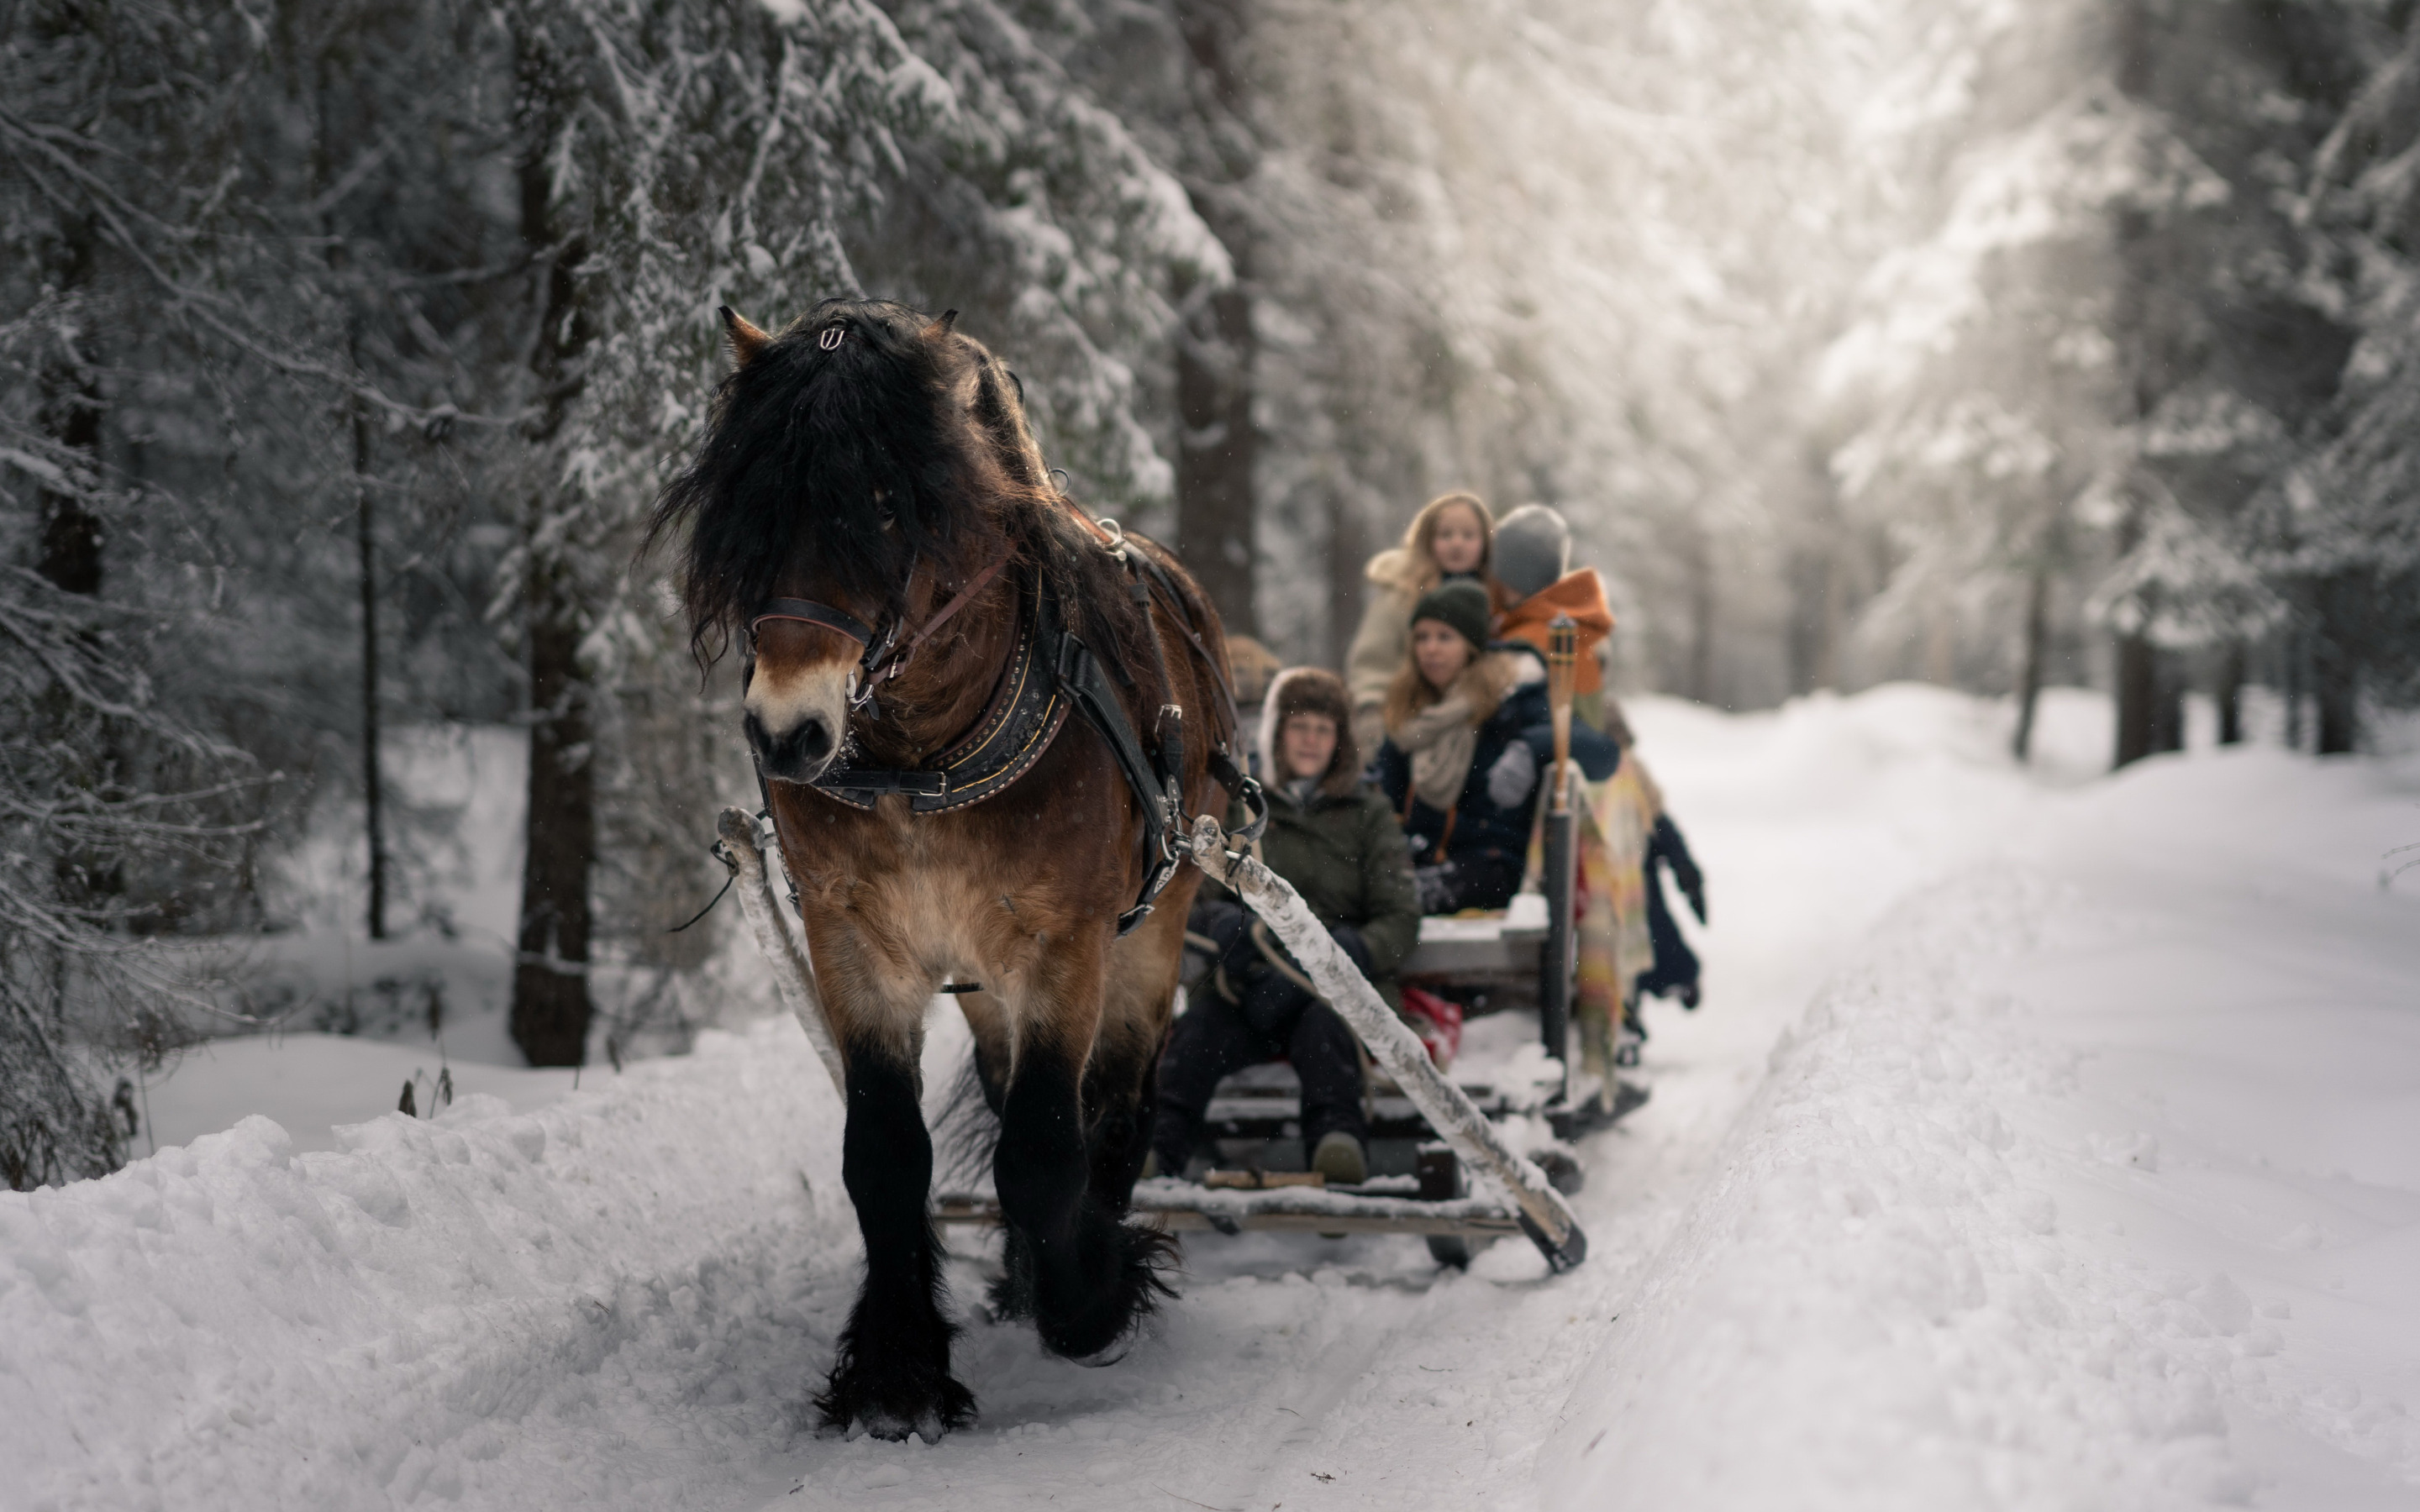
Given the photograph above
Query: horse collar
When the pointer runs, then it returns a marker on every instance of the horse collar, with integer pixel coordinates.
(1027, 707)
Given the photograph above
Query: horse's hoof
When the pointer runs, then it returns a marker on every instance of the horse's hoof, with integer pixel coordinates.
(892, 1429)
(866, 1406)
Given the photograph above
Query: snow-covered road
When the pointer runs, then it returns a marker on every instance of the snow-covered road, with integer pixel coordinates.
(2086, 1181)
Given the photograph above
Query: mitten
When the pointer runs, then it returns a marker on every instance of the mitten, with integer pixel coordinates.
(1514, 774)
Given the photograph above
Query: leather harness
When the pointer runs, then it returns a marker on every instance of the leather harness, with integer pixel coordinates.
(1050, 672)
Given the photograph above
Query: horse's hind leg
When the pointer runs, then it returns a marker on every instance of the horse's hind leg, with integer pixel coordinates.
(893, 1372)
(1085, 1275)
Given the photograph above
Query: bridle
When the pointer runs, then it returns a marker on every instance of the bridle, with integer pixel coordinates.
(1049, 674)
(885, 656)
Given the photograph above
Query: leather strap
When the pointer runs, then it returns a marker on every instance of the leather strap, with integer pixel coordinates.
(1027, 707)
(807, 611)
(897, 661)
(879, 664)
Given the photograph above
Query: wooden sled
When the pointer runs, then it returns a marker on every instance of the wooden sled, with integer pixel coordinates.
(1465, 1184)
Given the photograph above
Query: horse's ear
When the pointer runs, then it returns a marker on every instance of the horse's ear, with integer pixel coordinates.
(746, 339)
(947, 323)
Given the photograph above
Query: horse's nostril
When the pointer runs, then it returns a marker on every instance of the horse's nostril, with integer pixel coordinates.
(798, 756)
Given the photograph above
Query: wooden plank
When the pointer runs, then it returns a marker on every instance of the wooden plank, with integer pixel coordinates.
(1261, 1180)
(1233, 1212)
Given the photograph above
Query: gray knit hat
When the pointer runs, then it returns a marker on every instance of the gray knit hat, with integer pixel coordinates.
(1463, 606)
(1534, 549)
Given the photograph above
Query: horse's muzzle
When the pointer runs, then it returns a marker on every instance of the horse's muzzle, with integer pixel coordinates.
(799, 754)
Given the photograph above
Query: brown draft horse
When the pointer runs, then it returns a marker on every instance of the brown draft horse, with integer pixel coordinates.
(868, 514)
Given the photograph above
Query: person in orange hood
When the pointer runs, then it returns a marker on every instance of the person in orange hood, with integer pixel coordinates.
(1534, 553)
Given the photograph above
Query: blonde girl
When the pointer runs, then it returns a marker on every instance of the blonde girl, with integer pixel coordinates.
(1451, 538)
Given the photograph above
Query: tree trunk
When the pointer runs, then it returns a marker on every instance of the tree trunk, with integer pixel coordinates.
(70, 550)
(2137, 692)
(2167, 703)
(1348, 553)
(2336, 665)
(1701, 618)
(1216, 453)
(551, 1006)
(365, 522)
(1814, 591)
(551, 1001)
(373, 783)
(2029, 677)
(2231, 676)
(1217, 448)
(2290, 677)
(1940, 643)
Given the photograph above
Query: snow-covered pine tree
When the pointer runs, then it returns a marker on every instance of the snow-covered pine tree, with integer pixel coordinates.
(1976, 387)
(120, 825)
(2230, 353)
(2339, 532)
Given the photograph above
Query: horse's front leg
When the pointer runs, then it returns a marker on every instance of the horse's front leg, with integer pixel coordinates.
(1086, 1277)
(893, 1371)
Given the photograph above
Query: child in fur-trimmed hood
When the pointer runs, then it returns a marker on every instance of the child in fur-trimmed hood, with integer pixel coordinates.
(1335, 840)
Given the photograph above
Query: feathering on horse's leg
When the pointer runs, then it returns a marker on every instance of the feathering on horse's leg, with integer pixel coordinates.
(1121, 1084)
(1086, 1276)
(893, 1370)
(1120, 1102)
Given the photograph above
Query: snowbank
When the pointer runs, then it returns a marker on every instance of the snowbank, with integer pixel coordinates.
(314, 1084)
(2091, 1186)
(234, 1324)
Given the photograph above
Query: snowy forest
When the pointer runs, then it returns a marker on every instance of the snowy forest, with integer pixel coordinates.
(342, 346)
(1996, 427)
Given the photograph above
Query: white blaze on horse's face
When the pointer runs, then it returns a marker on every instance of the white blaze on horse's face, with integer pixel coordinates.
(797, 698)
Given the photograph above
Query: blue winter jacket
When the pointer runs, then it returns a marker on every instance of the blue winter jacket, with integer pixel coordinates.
(1480, 829)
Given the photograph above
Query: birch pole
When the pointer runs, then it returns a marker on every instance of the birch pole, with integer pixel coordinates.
(793, 973)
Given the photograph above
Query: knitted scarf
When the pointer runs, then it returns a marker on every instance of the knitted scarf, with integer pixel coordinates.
(1440, 740)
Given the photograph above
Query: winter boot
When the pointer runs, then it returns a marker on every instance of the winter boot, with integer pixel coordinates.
(1338, 1158)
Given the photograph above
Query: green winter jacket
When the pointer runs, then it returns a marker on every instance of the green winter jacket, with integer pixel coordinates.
(1344, 853)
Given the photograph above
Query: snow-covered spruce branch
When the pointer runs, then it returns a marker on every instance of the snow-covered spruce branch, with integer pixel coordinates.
(215, 313)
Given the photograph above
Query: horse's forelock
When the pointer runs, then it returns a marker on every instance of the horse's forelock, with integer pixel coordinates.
(838, 450)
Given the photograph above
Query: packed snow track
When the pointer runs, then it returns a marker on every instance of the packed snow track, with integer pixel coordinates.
(2046, 1141)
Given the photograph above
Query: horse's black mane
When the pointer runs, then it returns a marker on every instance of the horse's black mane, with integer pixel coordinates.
(815, 451)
